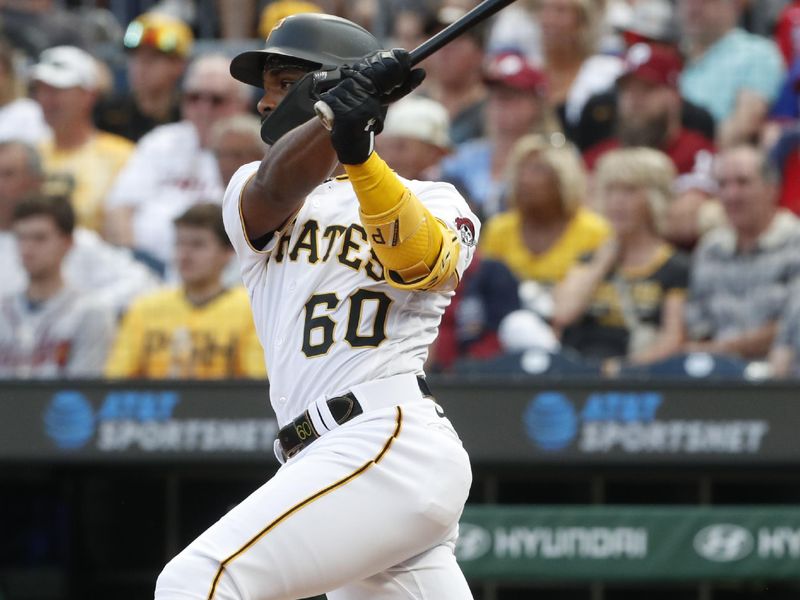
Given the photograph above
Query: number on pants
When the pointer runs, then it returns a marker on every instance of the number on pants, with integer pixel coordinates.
(325, 325)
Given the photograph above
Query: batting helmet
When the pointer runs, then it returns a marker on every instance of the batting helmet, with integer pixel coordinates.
(319, 41)
(310, 41)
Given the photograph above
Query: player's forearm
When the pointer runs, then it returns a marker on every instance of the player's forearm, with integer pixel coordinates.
(407, 238)
(290, 170)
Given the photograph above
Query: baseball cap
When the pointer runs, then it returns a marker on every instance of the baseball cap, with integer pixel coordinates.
(659, 65)
(421, 119)
(66, 67)
(514, 70)
(652, 20)
(160, 31)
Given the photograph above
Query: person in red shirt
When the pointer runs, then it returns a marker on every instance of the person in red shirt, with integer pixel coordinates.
(787, 32)
(649, 109)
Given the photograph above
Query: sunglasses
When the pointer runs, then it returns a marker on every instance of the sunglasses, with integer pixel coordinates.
(214, 99)
(166, 40)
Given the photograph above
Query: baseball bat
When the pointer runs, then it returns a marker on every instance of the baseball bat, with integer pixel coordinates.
(481, 12)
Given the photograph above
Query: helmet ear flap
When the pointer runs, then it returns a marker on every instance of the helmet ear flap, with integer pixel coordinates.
(297, 107)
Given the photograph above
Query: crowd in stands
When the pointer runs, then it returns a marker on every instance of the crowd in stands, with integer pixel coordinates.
(635, 163)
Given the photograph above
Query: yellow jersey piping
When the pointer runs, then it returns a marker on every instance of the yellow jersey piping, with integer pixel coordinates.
(324, 491)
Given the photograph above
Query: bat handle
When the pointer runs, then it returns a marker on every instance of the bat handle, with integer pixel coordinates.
(324, 113)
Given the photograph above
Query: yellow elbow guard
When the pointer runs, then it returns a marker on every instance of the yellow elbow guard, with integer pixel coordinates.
(417, 250)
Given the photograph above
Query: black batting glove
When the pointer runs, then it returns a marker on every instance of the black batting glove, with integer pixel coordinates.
(358, 115)
(390, 73)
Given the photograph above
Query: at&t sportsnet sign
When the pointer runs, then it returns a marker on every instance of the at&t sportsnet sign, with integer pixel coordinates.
(170, 422)
(633, 422)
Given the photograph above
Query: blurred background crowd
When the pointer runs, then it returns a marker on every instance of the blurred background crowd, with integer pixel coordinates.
(635, 163)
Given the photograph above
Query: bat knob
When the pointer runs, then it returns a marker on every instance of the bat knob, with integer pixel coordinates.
(324, 113)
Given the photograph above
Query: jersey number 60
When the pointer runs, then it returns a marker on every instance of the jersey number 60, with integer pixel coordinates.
(377, 306)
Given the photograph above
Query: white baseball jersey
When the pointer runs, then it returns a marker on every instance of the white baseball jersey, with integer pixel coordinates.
(325, 316)
(390, 483)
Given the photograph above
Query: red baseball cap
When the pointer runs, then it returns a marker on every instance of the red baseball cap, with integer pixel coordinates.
(515, 71)
(660, 65)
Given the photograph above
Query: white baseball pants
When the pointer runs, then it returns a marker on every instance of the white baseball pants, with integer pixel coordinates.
(369, 511)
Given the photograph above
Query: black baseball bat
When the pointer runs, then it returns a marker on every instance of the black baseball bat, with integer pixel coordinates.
(481, 12)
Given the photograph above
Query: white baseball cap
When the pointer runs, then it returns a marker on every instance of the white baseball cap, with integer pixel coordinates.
(421, 119)
(66, 67)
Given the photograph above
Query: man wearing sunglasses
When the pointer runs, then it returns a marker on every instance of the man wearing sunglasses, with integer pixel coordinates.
(158, 47)
(173, 166)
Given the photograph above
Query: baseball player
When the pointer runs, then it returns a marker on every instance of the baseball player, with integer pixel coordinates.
(348, 279)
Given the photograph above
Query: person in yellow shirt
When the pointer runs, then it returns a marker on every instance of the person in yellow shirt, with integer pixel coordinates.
(65, 82)
(199, 330)
(547, 229)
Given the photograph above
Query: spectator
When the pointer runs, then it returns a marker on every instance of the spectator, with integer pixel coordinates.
(785, 155)
(784, 356)
(49, 329)
(515, 28)
(694, 209)
(455, 80)
(517, 105)
(625, 301)
(20, 117)
(92, 265)
(66, 86)
(574, 71)
(173, 166)
(35, 25)
(158, 46)
(734, 74)
(199, 329)
(275, 11)
(787, 32)
(649, 110)
(469, 328)
(651, 22)
(407, 25)
(547, 228)
(741, 273)
(415, 137)
(236, 19)
(236, 141)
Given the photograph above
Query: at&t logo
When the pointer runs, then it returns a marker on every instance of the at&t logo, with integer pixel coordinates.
(69, 420)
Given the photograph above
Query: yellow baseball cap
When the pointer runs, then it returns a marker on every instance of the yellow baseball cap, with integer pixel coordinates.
(280, 9)
(160, 31)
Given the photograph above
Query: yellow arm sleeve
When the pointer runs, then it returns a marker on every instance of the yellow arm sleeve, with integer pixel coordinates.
(417, 250)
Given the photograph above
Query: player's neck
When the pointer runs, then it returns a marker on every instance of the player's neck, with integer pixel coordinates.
(45, 287)
(201, 292)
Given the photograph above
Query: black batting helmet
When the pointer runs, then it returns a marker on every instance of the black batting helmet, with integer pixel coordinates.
(318, 41)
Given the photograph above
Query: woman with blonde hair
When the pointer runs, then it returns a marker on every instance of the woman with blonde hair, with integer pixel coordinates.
(574, 70)
(546, 228)
(626, 300)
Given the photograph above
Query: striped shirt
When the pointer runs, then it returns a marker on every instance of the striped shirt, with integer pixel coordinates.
(731, 292)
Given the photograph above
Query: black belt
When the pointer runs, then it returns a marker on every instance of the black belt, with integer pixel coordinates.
(301, 432)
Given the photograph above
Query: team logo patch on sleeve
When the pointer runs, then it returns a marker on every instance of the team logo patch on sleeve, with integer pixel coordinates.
(466, 230)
